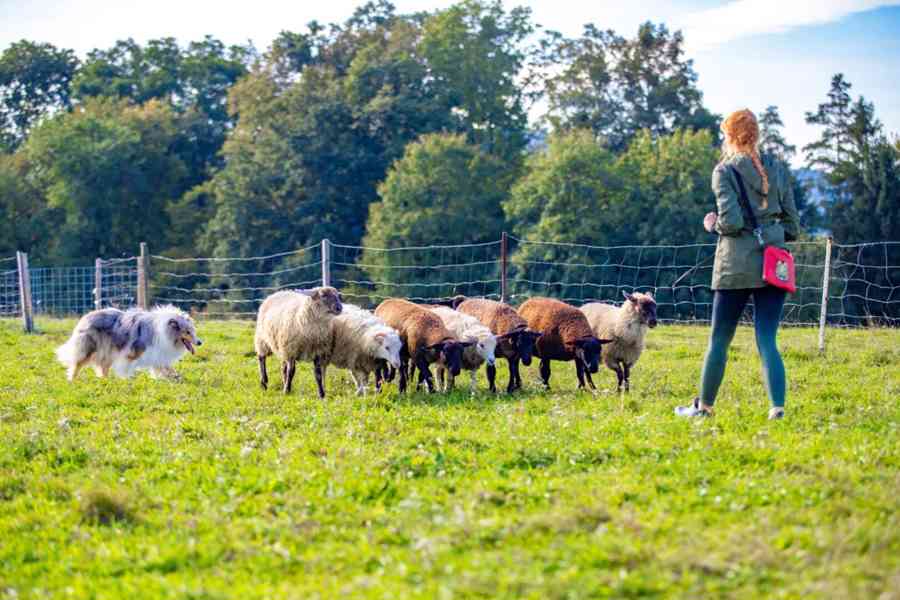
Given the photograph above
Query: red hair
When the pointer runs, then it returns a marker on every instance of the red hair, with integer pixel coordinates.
(741, 131)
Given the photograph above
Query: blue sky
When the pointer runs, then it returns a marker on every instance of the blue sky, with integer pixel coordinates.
(748, 53)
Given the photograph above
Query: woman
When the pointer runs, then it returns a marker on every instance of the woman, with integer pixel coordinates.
(737, 272)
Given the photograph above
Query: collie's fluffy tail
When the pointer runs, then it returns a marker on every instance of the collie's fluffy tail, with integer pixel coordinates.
(75, 351)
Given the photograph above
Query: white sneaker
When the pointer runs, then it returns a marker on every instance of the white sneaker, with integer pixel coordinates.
(695, 409)
(776, 412)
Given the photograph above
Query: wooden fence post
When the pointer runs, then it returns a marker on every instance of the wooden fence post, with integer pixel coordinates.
(98, 283)
(326, 262)
(25, 292)
(826, 278)
(504, 267)
(142, 275)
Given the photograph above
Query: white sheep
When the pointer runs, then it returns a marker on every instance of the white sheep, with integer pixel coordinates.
(296, 325)
(359, 341)
(626, 326)
(466, 327)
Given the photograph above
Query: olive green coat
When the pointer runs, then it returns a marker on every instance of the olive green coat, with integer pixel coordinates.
(739, 257)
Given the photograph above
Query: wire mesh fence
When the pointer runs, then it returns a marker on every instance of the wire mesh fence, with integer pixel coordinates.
(9, 288)
(863, 283)
(231, 287)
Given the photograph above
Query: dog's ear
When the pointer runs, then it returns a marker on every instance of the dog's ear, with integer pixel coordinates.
(174, 324)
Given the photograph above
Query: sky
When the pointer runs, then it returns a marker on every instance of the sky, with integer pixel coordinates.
(747, 53)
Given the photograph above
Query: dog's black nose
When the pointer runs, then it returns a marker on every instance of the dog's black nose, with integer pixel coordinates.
(199, 342)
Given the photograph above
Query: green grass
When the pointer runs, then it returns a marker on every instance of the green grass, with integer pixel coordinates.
(212, 488)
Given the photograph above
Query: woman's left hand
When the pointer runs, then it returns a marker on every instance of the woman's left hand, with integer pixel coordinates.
(709, 221)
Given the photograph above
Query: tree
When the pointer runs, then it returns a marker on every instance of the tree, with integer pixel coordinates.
(771, 140)
(474, 52)
(194, 81)
(110, 168)
(773, 143)
(834, 117)
(617, 87)
(34, 82)
(860, 165)
(26, 221)
(442, 189)
(668, 178)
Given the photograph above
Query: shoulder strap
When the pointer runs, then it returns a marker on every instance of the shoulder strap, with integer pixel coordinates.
(745, 206)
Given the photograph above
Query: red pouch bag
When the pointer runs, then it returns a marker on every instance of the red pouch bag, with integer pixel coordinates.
(778, 263)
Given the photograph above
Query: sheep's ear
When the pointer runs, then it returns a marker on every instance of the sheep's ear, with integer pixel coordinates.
(439, 347)
(467, 343)
(628, 296)
(605, 342)
(305, 292)
(650, 295)
(380, 336)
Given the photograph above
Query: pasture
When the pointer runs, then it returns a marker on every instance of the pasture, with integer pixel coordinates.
(213, 488)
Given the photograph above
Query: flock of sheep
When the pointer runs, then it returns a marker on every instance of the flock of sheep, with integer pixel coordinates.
(400, 336)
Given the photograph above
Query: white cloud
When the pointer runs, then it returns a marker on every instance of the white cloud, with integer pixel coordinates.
(706, 29)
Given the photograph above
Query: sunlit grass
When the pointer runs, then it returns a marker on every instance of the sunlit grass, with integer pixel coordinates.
(213, 488)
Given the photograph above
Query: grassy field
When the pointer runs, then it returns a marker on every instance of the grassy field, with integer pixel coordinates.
(212, 488)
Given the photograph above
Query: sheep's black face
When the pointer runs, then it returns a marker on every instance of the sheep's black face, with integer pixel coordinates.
(450, 355)
(524, 344)
(588, 352)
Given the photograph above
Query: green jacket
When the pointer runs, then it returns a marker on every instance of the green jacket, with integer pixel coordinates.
(739, 257)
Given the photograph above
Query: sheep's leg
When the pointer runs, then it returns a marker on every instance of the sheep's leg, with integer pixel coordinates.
(626, 368)
(378, 377)
(590, 380)
(579, 372)
(545, 372)
(402, 384)
(492, 378)
(288, 368)
(319, 370)
(441, 377)
(620, 375)
(425, 374)
(473, 381)
(361, 379)
(513, 375)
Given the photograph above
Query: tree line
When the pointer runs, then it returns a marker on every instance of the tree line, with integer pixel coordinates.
(392, 130)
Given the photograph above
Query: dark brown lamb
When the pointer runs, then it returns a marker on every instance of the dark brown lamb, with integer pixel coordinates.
(515, 341)
(425, 339)
(565, 335)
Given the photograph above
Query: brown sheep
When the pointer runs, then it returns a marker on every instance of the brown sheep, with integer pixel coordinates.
(425, 339)
(565, 335)
(515, 341)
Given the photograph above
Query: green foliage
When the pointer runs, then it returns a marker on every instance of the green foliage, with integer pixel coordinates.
(26, 221)
(194, 81)
(110, 167)
(617, 87)
(670, 190)
(34, 82)
(474, 51)
(859, 163)
(442, 190)
(242, 493)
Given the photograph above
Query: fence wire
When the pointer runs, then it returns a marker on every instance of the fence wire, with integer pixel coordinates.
(231, 287)
(863, 290)
(9, 288)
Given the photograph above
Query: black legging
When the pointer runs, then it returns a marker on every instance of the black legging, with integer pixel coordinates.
(728, 306)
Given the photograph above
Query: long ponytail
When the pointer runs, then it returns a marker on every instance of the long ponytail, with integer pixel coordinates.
(741, 131)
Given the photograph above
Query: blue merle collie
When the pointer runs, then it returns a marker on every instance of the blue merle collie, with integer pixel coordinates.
(129, 341)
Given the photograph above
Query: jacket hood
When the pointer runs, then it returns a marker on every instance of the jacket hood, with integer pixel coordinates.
(744, 165)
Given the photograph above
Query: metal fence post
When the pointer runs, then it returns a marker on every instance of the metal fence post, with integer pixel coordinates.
(142, 268)
(826, 278)
(98, 283)
(326, 262)
(504, 264)
(25, 291)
